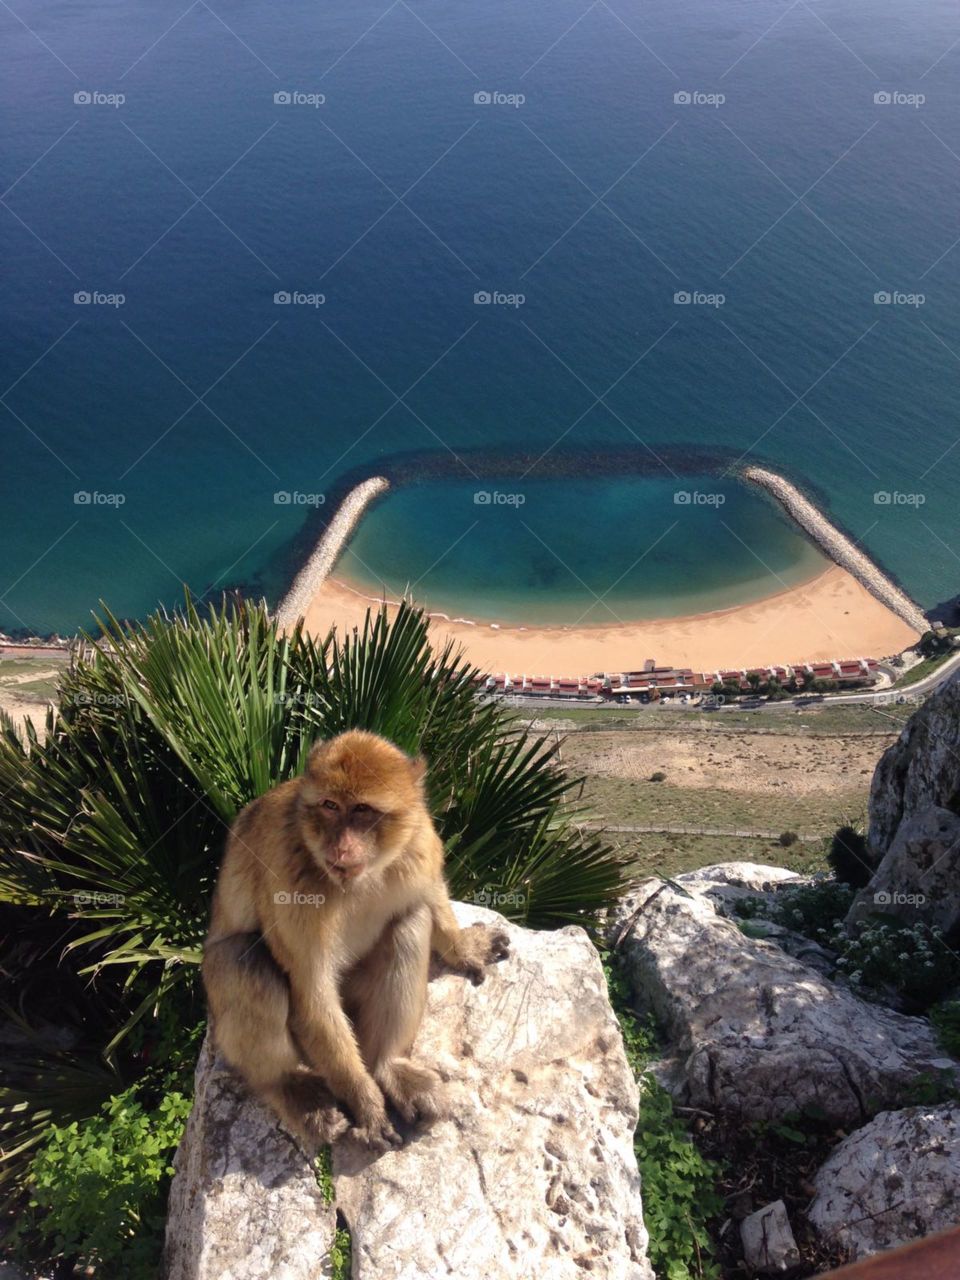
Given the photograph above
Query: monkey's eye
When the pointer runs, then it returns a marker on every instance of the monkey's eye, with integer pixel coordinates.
(330, 804)
(363, 808)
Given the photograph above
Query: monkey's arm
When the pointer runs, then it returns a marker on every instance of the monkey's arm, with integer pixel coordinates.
(466, 951)
(326, 1038)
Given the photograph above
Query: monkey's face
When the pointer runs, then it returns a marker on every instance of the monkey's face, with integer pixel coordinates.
(344, 835)
(359, 800)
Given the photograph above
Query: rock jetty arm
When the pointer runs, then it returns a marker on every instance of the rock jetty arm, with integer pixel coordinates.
(325, 554)
(837, 546)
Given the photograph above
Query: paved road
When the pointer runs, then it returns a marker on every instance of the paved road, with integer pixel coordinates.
(659, 830)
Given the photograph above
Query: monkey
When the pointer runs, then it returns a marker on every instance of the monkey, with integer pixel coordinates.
(330, 899)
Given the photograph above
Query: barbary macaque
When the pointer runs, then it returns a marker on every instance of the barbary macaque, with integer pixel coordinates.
(330, 899)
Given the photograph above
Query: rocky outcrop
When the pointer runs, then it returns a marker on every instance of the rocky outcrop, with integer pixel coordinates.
(755, 1033)
(530, 1172)
(921, 770)
(918, 879)
(244, 1203)
(894, 1180)
(727, 883)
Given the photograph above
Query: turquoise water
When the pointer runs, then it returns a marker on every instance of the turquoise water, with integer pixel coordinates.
(199, 398)
(715, 546)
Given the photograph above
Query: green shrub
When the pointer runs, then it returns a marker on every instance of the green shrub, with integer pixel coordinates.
(97, 1189)
(679, 1189)
(945, 1018)
(787, 838)
(659, 776)
(910, 960)
(848, 858)
(816, 910)
(679, 1184)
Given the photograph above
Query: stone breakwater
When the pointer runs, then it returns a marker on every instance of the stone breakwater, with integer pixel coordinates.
(324, 555)
(838, 546)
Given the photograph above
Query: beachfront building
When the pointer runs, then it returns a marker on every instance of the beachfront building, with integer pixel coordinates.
(654, 683)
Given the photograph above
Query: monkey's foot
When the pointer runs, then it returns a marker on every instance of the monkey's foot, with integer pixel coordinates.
(310, 1109)
(411, 1088)
(377, 1134)
(477, 947)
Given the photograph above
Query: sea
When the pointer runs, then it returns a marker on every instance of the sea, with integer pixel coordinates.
(556, 268)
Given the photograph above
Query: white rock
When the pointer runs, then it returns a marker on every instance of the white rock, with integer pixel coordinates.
(726, 883)
(918, 877)
(921, 769)
(894, 1180)
(536, 1175)
(768, 1243)
(755, 1033)
(244, 1203)
(533, 1174)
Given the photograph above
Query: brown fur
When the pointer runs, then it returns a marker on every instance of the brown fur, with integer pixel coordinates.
(323, 920)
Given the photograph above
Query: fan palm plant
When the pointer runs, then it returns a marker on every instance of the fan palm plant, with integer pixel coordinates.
(112, 821)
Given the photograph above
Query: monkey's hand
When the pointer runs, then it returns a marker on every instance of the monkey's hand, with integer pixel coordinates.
(474, 949)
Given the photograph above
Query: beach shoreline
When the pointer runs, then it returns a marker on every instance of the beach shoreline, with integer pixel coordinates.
(850, 609)
(829, 617)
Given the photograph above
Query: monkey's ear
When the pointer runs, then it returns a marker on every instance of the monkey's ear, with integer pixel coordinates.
(418, 768)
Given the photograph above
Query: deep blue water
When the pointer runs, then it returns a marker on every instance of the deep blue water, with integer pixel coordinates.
(400, 198)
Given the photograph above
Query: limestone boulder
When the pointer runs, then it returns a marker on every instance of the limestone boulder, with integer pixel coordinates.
(920, 770)
(893, 1181)
(530, 1171)
(245, 1202)
(918, 879)
(756, 1033)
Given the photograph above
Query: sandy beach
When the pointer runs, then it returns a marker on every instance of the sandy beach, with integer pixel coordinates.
(831, 616)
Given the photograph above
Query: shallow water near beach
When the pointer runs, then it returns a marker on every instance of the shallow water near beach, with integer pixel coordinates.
(182, 413)
(547, 552)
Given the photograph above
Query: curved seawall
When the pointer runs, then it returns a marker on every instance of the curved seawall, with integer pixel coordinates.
(324, 555)
(837, 545)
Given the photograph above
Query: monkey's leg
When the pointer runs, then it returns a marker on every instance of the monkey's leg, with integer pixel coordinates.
(250, 1003)
(327, 1041)
(466, 951)
(386, 992)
